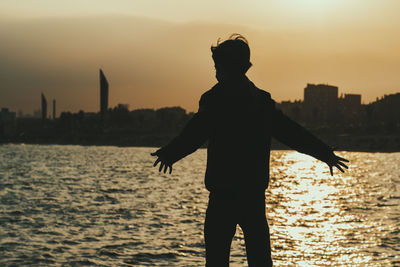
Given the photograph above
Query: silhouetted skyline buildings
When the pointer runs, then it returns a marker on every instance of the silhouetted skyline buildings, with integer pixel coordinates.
(371, 127)
(320, 100)
(322, 111)
(323, 106)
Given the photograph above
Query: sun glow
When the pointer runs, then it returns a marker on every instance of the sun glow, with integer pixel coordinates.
(321, 10)
(318, 5)
(312, 5)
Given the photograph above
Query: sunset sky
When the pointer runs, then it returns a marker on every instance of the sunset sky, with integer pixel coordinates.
(156, 53)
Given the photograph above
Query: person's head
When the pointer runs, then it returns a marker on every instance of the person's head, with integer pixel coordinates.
(231, 57)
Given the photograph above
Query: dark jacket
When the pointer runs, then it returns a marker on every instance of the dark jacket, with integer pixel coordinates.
(238, 121)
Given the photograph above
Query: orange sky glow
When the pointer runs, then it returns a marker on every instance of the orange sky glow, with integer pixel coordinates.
(156, 53)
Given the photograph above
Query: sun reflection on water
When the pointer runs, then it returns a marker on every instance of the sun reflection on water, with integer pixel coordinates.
(306, 211)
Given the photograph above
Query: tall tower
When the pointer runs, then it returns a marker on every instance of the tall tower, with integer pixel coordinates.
(54, 109)
(44, 108)
(103, 96)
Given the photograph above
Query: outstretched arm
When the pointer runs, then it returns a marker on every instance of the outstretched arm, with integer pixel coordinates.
(193, 135)
(297, 137)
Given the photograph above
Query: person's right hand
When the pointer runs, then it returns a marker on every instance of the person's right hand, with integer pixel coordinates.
(163, 163)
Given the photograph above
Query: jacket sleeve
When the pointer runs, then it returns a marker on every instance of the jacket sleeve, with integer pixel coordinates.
(297, 137)
(193, 135)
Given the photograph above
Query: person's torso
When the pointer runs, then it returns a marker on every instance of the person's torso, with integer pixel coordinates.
(239, 142)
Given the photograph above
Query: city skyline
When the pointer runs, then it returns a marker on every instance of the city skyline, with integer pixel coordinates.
(158, 54)
(103, 87)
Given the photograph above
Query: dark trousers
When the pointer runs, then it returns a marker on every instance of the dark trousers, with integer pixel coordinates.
(224, 212)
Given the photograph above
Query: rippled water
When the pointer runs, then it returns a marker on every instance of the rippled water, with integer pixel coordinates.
(107, 206)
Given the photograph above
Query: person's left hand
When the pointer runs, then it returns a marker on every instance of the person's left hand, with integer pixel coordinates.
(163, 163)
(336, 161)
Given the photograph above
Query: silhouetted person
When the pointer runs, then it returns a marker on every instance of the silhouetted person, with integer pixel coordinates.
(238, 120)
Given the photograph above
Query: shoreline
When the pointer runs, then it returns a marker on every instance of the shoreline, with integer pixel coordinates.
(372, 148)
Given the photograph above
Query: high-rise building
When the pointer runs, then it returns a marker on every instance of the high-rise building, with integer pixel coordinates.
(320, 94)
(54, 109)
(44, 107)
(103, 95)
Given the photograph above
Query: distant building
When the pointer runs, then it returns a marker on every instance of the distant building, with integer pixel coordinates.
(103, 96)
(91, 115)
(320, 103)
(320, 94)
(7, 123)
(36, 113)
(44, 108)
(352, 100)
(123, 106)
(292, 109)
(350, 108)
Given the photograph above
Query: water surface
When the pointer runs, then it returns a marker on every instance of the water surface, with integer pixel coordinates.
(107, 206)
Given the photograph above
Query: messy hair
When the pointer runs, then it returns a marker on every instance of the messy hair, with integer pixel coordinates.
(232, 54)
